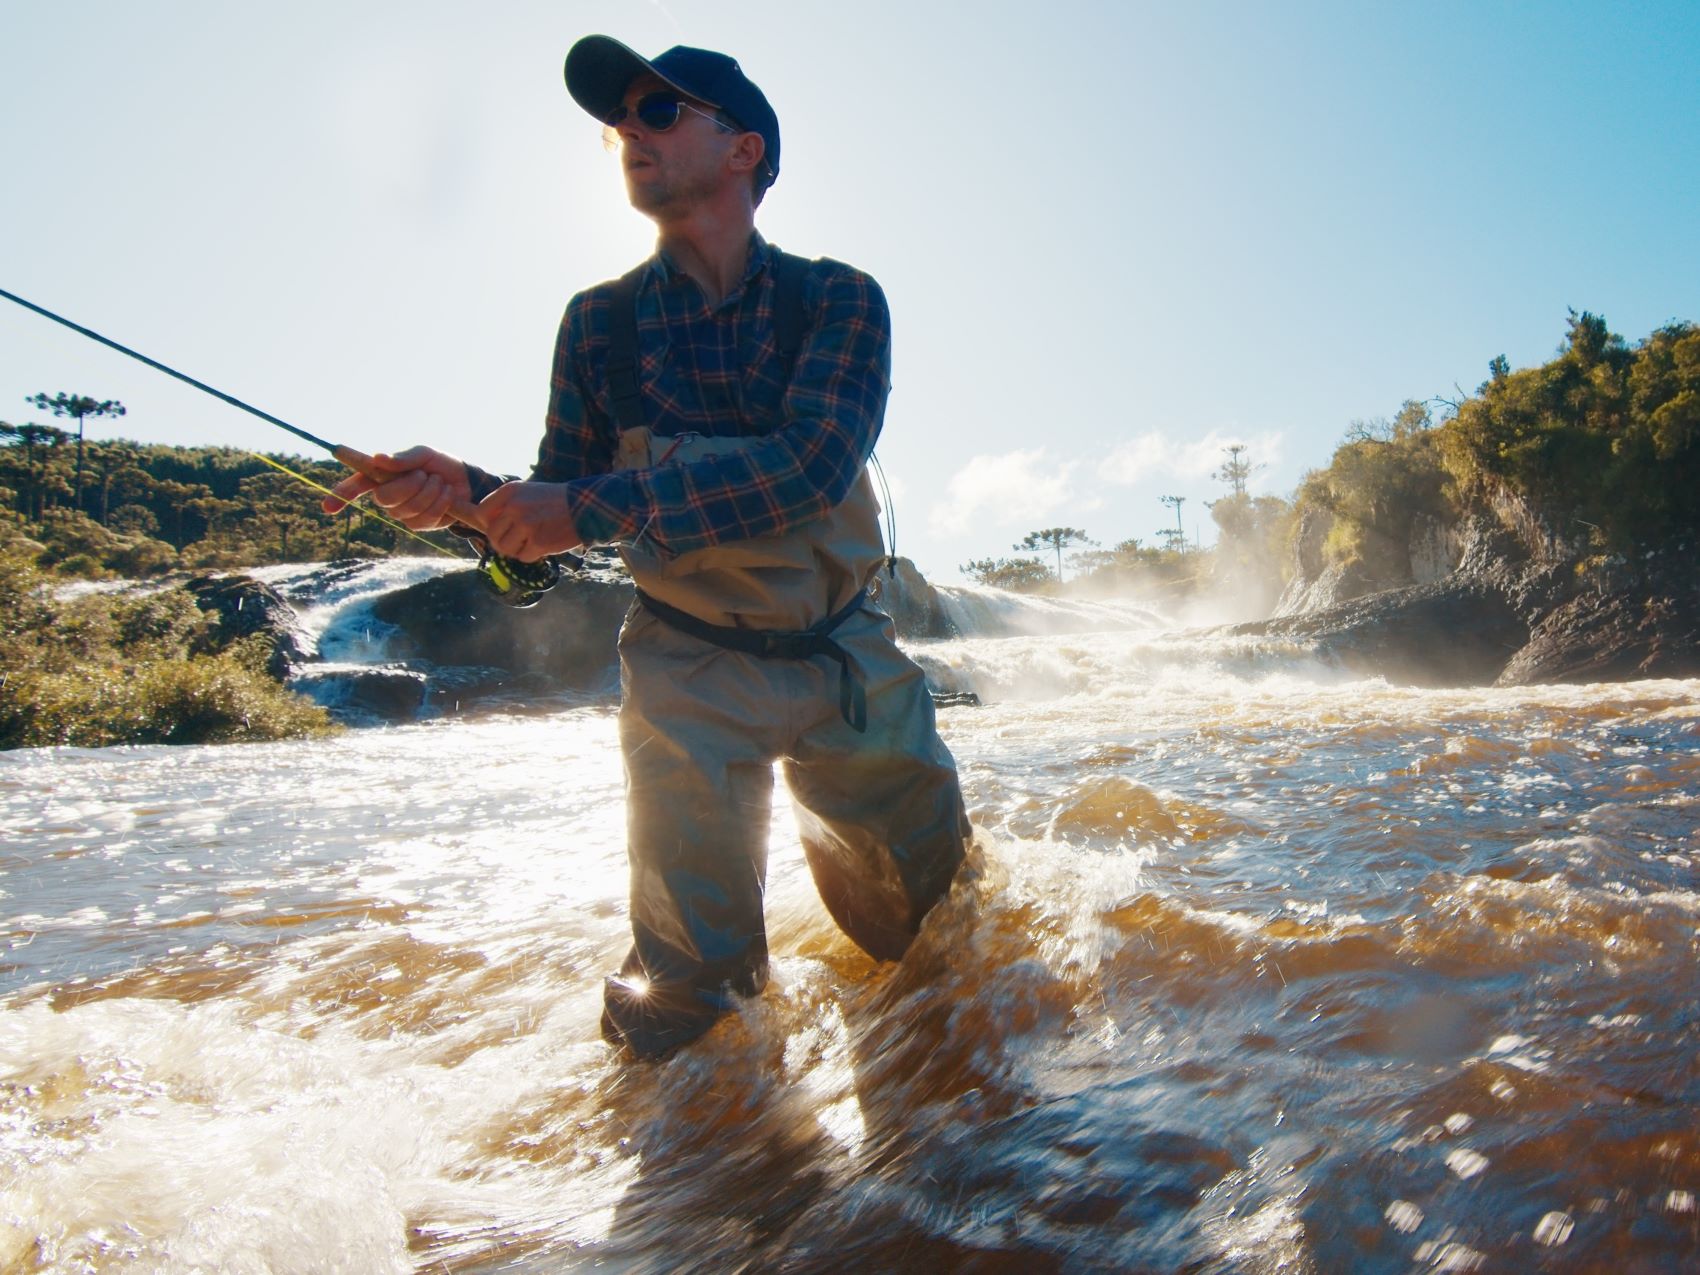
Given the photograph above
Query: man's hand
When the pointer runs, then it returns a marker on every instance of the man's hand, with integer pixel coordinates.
(420, 488)
(528, 521)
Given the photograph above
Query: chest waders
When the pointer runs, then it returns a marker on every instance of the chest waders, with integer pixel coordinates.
(749, 598)
(722, 675)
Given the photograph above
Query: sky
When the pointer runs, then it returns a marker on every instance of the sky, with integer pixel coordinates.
(1116, 237)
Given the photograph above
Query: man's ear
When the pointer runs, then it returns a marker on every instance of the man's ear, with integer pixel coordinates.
(747, 153)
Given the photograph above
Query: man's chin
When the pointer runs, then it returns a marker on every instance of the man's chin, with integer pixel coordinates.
(647, 199)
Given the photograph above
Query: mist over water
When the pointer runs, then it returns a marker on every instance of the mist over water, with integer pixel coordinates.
(1256, 968)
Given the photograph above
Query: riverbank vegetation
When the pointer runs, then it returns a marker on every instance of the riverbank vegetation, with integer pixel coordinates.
(89, 666)
(139, 667)
(1599, 447)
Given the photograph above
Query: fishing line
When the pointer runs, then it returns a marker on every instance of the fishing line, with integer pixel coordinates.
(518, 583)
(890, 517)
(370, 513)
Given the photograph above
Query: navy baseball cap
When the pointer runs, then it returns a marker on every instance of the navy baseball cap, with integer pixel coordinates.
(599, 69)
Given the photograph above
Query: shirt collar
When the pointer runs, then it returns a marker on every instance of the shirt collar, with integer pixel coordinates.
(666, 271)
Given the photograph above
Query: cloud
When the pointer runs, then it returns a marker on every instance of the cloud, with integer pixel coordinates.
(1155, 454)
(1014, 487)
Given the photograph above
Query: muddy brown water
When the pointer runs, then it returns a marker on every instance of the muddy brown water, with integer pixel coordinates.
(1256, 970)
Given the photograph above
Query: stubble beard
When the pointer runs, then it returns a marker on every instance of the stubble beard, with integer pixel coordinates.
(667, 192)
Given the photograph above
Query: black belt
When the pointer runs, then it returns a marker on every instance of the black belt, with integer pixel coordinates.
(772, 644)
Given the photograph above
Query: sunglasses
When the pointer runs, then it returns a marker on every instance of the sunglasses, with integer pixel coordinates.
(658, 112)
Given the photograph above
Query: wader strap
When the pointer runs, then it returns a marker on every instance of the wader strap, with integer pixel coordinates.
(771, 644)
(623, 387)
(788, 317)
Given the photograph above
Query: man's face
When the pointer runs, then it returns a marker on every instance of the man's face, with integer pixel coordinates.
(669, 172)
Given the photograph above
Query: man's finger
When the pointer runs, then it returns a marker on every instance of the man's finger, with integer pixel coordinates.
(411, 495)
(346, 492)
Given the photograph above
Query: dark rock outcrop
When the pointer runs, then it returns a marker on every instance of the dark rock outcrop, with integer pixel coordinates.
(1455, 633)
(243, 607)
(1521, 604)
(382, 692)
(1606, 635)
(902, 592)
(568, 637)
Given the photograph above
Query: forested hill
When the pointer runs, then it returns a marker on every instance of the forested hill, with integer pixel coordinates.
(133, 509)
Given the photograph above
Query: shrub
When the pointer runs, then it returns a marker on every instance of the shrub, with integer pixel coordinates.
(142, 556)
(201, 700)
(118, 668)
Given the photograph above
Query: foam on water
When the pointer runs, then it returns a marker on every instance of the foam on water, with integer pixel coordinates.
(978, 611)
(1254, 970)
(333, 603)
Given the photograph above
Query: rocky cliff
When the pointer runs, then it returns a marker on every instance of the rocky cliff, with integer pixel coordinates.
(1501, 596)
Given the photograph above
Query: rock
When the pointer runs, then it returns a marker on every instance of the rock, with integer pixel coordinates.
(902, 592)
(454, 621)
(1337, 585)
(568, 637)
(1646, 626)
(388, 693)
(242, 607)
(955, 699)
(1459, 632)
(455, 689)
(1435, 549)
(1317, 584)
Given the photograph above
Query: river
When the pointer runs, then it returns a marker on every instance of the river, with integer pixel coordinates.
(1256, 968)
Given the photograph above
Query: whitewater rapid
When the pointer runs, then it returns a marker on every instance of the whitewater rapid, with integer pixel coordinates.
(1258, 968)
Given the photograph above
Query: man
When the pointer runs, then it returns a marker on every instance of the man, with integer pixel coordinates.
(711, 415)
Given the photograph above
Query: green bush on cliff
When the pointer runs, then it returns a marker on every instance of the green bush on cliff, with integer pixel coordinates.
(1603, 441)
(1384, 477)
(1604, 438)
(106, 668)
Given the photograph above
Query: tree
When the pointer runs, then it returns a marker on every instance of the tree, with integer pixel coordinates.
(81, 407)
(1131, 568)
(1177, 537)
(134, 520)
(1055, 538)
(1236, 469)
(105, 461)
(191, 498)
(1412, 419)
(42, 440)
(1019, 575)
(279, 504)
(218, 515)
(176, 497)
(1251, 546)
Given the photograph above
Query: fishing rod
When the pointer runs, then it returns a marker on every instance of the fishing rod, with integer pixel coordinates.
(518, 583)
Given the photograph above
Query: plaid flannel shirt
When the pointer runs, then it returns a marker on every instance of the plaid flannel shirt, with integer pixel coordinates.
(717, 372)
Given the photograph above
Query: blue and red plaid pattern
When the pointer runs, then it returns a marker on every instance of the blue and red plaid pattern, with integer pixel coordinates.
(717, 372)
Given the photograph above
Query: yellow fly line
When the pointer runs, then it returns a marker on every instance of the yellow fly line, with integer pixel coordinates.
(370, 513)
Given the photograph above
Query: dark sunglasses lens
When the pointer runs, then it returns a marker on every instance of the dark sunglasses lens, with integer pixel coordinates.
(658, 112)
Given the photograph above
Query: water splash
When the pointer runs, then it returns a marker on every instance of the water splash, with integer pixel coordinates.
(1253, 971)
